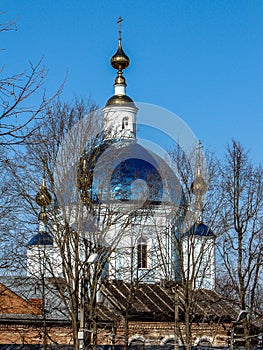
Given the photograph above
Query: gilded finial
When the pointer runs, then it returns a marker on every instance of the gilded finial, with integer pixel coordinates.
(43, 197)
(199, 186)
(120, 60)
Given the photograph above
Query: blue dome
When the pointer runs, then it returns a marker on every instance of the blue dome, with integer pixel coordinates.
(41, 239)
(124, 170)
(201, 230)
(135, 176)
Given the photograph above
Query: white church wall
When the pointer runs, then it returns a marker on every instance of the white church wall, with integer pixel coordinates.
(199, 261)
(120, 121)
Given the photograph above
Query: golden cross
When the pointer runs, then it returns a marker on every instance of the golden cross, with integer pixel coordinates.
(119, 24)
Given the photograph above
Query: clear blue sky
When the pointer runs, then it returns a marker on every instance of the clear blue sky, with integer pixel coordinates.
(202, 60)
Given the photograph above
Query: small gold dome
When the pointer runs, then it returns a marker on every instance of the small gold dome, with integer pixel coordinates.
(120, 100)
(43, 197)
(120, 60)
(120, 79)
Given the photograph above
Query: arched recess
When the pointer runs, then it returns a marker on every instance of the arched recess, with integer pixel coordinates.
(204, 343)
(137, 342)
(168, 342)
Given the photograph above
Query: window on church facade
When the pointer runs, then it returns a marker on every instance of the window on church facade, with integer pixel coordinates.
(125, 123)
(142, 253)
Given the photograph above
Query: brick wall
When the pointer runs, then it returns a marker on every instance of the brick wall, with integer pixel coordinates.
(23, 334)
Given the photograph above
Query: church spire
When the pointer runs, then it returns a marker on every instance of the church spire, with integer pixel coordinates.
(120, 110)
(43, 199)
(120, 61)
(199, 186)
(41, 244)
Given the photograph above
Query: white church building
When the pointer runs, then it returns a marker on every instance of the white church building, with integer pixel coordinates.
(147, 243)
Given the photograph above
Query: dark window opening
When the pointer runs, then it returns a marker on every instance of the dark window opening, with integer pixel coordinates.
(142, 254)
(125, 123)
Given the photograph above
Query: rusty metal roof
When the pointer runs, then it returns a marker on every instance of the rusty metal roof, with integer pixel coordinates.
(156, 302)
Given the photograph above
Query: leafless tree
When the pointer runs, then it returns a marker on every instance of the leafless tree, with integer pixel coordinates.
(194, 252)
(69, 147)
(27, 170)
(170, 224)
(240, 245)
(19, 104)
(22, 99)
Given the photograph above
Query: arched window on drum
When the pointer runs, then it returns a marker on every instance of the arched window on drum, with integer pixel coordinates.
(125, 123)
(142, 253)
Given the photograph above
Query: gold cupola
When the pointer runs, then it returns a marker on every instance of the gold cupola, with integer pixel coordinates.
(43, 197)
(120, 61)
(42, 238)
(120, 112)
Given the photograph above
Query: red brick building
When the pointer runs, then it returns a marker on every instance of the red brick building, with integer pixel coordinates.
(150, 316)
